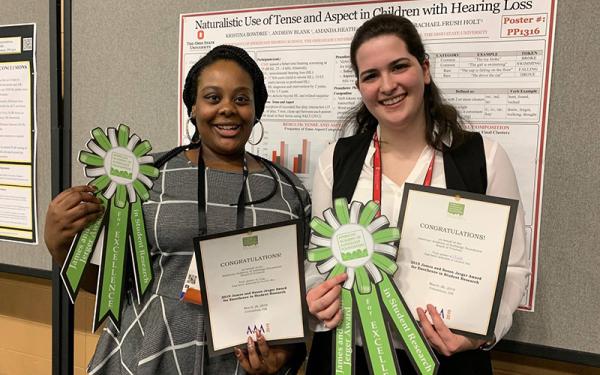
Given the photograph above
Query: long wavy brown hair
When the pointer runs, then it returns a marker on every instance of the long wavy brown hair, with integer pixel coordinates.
(437, 113)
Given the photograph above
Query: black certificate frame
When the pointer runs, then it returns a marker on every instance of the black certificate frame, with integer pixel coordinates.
(510, 226)
(203, 290)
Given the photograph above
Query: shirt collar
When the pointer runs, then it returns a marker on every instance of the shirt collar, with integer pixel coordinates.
(446, 140)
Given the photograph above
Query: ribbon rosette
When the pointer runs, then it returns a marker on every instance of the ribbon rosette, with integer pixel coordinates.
(357, 241)
(122, 173)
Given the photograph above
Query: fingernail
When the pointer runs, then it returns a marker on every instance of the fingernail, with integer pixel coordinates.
(237, 352)
(250, 343)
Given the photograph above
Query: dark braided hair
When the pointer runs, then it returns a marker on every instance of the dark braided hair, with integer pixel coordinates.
(437, 112)
(226, 52)
(190, 89)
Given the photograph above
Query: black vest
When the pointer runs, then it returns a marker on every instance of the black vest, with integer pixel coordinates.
(464, 166)
(465, 170)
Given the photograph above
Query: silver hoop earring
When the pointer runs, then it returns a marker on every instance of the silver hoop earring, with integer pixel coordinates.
(262, 133)
(187, 129)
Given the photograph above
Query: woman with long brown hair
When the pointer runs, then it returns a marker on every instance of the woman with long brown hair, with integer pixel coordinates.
(403, 122)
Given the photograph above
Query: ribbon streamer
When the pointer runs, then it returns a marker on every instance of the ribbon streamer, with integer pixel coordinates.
(354, 240)
(122, 173)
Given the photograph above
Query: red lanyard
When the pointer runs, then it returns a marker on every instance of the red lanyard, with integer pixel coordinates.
(377, 171)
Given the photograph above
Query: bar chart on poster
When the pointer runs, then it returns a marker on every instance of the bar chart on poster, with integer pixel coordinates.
(296, 153)
(295, 159)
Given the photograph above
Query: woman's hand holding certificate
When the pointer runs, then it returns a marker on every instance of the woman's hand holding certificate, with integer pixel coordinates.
(439, 335)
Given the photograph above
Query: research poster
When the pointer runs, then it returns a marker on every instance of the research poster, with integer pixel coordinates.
(491, 59)
(18, 220)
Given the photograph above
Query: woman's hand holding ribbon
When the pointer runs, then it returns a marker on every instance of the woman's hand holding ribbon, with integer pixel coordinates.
(68, 214)
(324, 301)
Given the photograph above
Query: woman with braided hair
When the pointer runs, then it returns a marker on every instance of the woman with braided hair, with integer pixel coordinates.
(210, 186)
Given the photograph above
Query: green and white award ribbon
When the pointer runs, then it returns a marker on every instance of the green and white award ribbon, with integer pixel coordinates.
(122, 173)
(354, 240)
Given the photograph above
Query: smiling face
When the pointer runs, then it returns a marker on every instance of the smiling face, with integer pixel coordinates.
(224, 109)
(391, 82)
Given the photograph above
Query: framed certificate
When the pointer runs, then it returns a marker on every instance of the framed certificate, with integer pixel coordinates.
(453, 252)
(253, 280)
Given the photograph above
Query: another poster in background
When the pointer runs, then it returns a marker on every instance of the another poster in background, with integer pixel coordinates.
(491, 59)
(18, 221)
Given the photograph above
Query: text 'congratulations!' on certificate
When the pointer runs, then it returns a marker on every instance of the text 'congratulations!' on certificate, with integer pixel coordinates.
(253, 280)
(454, 249)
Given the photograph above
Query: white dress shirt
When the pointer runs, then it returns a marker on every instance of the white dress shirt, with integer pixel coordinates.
(501, 182)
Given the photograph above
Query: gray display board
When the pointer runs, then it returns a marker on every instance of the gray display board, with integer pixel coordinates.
(17, 257)
(568, 293)
(125, 70)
